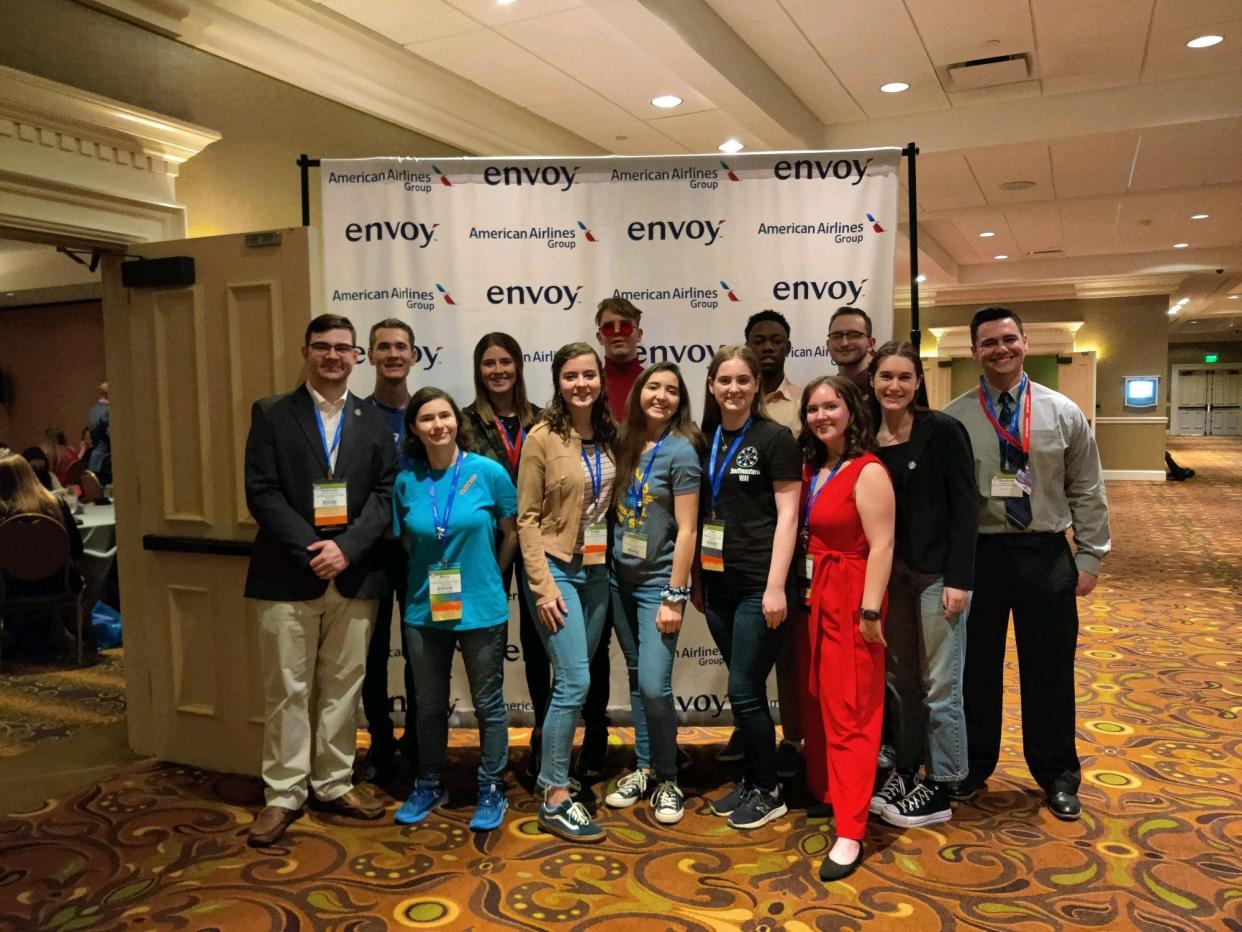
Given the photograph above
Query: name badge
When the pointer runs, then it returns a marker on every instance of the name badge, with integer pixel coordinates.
(634, 544)
(808, 573)
(712, 547)
(594, 544)
(331, 504)
(1005, 485)
(445, 586)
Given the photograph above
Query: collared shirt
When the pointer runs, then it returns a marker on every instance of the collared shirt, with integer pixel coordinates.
(1068, 483)
(783, 405)
(330, 414)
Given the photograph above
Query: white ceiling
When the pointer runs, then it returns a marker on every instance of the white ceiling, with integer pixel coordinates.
(1125, 131)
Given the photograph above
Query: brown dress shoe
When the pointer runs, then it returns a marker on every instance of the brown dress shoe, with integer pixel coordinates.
(269, 825)
(355, 803)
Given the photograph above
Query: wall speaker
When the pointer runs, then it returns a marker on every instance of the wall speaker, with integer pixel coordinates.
(172, 272)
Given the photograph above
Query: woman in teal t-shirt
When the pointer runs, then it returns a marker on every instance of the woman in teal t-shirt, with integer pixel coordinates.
(447, 507)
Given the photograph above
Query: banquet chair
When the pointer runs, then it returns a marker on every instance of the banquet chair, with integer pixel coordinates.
(73, 475)
(92, 489)
(34, 548)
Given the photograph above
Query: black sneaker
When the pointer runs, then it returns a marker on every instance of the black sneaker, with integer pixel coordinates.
(379, 765)
(788, 760)
(732, 751)
(895, 787)
(758, 809)
(961, 791)
(593, 755)
(534, 758)
(887, 757)
(926, 804)
(725, 805)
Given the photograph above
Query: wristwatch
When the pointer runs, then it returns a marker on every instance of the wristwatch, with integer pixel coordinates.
(868, 614)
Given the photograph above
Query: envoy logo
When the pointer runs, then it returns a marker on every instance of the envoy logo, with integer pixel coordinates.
(448, 298)
(851, 170)
(846, 290)
(700, 353)
(552, 176)
(562, 296)
(699, 231)
(411, 231)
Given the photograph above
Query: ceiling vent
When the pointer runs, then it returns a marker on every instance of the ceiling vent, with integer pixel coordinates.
(990, 72)
(1046, 252)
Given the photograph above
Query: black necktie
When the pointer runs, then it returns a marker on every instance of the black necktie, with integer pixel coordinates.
(1017, 510)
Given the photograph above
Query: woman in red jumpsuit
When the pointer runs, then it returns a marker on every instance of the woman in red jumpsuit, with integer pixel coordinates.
(848, 515)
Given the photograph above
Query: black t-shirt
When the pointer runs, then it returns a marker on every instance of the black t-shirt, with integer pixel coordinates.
(747, 504)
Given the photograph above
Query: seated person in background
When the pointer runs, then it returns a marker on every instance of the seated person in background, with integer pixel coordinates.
(85, 444)
(60, 456)
(21, 493)
(39, 463)
(4, 449)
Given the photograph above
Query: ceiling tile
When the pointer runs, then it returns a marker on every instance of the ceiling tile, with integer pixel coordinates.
(970, 29)
(947, 234)
(1090, 165)
(403, 22)
(946, 182)
(1036, 229)
(1027, 162)
(1176, 22)
(1088, 46)
(704, 132)
(492, 13)
(484, 57)
(1182, 155)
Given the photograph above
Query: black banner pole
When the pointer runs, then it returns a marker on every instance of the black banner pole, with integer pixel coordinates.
(306, 164)
(911, 152)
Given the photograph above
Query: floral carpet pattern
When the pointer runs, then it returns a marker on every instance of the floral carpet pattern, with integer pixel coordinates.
(1159, 685)
(41, 702)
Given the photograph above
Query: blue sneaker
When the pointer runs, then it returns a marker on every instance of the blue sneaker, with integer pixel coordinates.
(491, 809)
(571, 821)
(427, 795)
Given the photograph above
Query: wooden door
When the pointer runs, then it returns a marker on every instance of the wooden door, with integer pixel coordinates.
(1076, 381)
(938, 379)
(184, 365)
(1226, 399)
(1190, 402)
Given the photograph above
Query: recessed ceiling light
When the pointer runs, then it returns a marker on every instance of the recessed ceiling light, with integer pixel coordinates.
(986, 234)
(894, 87)
(1204, 42)
(1001, 256)
(1233, 297)
(1180, 245)
(666, 101)
(731, 145)
(1198, 216)
(504, 2)
(1016, 185)
(920, 278)
(1173, 311)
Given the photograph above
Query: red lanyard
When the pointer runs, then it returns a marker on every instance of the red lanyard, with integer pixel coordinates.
(985, 402)
(514, 450)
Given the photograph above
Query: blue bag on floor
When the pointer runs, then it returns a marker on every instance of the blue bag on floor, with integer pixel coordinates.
(106, 621)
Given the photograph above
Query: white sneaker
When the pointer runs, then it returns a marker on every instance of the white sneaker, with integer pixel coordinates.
(668, 803)
(629, 790)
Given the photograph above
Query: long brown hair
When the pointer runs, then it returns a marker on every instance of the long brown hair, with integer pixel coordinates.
(711, 410)
(482, 398)
(21, 492)
(556, 414)
(905, 350)
(859, 434)
(413, 446)
(632, 435)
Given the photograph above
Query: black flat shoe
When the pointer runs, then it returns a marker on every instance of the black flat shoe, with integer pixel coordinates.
(819, 811)
(962, 790)
(830, 870)
(1065, 806)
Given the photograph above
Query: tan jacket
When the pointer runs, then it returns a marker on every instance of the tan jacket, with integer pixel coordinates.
(550, 486)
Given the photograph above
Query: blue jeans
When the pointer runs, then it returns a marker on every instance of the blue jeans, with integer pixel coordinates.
(431, 656)
(926, 659)
(749, 647)
(585, 591)
(649, 659)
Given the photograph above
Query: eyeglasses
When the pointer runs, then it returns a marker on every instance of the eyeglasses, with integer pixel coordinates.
(846, 336)
(341, 349)
(618, 328)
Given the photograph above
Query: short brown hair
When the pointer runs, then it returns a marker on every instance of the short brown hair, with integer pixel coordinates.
(622, 307)
(325, 322)
(389, 323)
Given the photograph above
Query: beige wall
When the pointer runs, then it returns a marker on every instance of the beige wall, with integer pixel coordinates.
(246, 181)
(52, 360)
(1130, 337)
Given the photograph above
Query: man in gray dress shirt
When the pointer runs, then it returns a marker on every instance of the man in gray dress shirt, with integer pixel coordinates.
(1039, 474)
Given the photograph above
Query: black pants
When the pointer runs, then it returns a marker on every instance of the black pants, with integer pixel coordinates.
(534, 658)
(375, 700)
(1034, 576)
(595, 709)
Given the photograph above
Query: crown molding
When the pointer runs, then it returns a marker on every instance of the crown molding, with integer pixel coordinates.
(313, 48)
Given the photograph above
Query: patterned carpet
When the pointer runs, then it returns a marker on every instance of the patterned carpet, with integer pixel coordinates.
(1158, 847)
(39, 703)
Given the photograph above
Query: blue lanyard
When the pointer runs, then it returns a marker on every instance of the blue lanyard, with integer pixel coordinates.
(323, 436)
(717, 478)
(597, 476)
(442, 526)
(813, 494)
(636, 495)
(1008, 435)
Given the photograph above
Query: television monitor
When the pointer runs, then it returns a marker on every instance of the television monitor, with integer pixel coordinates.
(1141, 391)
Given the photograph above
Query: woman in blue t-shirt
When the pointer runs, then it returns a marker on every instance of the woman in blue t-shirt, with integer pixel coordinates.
(447, 506)
(657, 495)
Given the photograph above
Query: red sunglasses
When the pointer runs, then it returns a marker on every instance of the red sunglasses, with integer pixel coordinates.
(620, 328)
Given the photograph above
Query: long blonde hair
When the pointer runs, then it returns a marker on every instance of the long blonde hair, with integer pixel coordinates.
(21, 492)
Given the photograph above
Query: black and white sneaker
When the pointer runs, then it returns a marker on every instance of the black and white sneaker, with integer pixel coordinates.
(570, 821)
(725, 805)
(926, 804)
(895, 787)
(668, 803)
(758, 809)
(629, 790)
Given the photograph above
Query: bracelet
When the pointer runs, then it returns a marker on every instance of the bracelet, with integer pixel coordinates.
(674, 594)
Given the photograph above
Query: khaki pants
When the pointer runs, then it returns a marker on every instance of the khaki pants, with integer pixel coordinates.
(313, 655)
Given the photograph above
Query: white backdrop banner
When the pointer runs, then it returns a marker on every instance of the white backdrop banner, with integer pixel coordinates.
(459, 247)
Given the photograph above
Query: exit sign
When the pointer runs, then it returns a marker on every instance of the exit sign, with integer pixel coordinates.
(1210, 357)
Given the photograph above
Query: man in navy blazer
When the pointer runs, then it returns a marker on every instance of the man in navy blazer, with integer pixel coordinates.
(319, 473)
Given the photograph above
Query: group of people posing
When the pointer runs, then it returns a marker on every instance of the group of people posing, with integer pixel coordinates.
(840, 532)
